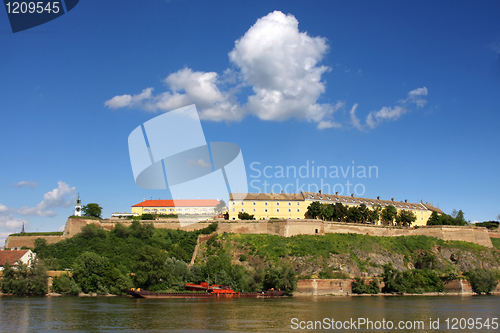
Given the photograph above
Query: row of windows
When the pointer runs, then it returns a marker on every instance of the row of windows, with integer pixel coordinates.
(266, 210)
(265, 203)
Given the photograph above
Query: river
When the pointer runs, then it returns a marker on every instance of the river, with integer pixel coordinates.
(124, 314)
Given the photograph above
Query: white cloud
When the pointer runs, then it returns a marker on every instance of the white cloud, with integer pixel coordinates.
(390, 113)
(4, 209)
(277, 61)
(25, 183)
(62, 196)
(354, 119)
(328, 124)
(10, 222)
(374, 118)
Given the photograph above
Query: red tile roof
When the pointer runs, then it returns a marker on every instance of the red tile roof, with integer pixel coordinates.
(11, 256)
(178, 203)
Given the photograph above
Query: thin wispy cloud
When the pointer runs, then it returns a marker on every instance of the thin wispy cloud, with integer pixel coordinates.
(62, 196)
(415, 98)
(25, 183)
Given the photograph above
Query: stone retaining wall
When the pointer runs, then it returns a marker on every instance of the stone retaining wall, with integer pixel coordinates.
(286, 228)
(29, 241)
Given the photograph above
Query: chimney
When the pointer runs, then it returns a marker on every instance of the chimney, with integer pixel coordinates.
(282, 192)
(406, 200)
(336, 193)
(294, 192)
(352, 195)
(319, 191)
(392, 199)
(378, 198)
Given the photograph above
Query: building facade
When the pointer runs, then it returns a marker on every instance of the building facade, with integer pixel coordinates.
(177, 207)
(294, 206)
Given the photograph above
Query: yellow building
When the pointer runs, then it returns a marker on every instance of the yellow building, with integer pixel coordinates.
(178, 207)
(267, 205)
(294, 206)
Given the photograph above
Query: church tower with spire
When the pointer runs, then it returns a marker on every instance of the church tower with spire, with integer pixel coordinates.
(78, 206)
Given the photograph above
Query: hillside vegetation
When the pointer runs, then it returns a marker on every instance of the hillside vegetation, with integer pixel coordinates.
(340, 255)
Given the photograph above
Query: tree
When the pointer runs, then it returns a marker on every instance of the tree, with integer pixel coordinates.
(482, 280)
(280, 277)
(314, 210)
(221, 207)
(364, 211)
(24, 280)
(389, 213)
(374, 215)
(435, 219)
(340, 212)
(94, 273)
(245, 216)
(92, 210)
(406, 217)
(327, 211)
(354, 214)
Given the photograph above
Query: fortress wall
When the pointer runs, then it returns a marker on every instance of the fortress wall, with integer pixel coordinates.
(494, 234)
(319, 287)
(288, 228)
(29, 241)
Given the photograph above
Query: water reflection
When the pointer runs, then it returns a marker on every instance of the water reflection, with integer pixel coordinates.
(45, 314)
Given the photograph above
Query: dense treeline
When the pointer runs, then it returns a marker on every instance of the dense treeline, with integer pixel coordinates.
(120, 245)
(360, 213)
(456, 218)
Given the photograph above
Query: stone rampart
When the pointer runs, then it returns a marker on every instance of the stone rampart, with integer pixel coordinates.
(288, 228)
(494, 234)
(29, 241)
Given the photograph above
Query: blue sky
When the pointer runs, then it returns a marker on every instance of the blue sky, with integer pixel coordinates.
(412, 88)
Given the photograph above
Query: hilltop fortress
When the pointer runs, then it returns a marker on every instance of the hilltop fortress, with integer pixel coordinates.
(282, 214)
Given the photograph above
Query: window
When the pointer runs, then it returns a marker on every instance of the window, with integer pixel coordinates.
(254, 203)
(298, 210)
(254, 210)
(234, 209)
(242, 203)
(289, 204)
(265, 210)
(265, 203)
(234, 218)
(289, 210)
(298, 203)
(277, 210)
(242, 210)
(234, 203)
(277, 203)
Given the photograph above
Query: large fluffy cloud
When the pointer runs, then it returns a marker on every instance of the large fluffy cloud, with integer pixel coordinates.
(275, 59)
(280, 65)
(62, 196)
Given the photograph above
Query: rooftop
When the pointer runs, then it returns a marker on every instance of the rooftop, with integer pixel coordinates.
(178, 203)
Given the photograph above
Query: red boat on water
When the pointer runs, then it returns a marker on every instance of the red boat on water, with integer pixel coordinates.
(205, 290)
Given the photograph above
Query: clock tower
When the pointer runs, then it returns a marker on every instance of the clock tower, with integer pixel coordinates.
(78, 206)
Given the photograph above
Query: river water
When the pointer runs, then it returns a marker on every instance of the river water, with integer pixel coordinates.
(124, 314)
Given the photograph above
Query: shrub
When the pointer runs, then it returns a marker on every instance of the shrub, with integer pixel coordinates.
(65, 285)
(245, 216)
(482, 280)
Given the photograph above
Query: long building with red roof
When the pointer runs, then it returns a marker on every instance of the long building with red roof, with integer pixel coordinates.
(178, 207)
